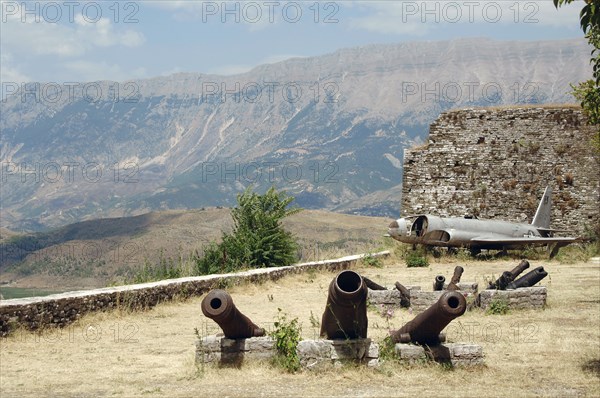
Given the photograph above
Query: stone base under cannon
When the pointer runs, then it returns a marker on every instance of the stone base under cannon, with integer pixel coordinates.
(389, 297)
(421, 300)
(522, 298)
(313, 354)
(455, 354)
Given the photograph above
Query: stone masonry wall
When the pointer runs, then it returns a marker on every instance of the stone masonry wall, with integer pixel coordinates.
(495, 163)
(60, 310)
(522, 298)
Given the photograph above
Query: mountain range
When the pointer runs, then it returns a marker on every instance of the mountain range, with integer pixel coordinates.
(329, 129)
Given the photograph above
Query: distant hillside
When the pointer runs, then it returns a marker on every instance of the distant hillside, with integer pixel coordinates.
(329, 129)
(98, 252)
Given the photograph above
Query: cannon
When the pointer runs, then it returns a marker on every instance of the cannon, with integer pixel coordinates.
(508, 276)
(404, 295)
(218, 306)
(458, 271)
(373, 285)
(502, 281)
(345, 315)
(438, 283)
(426, 327)
(529, 279)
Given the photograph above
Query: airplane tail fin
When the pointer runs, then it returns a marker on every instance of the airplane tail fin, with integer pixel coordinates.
(542, 215)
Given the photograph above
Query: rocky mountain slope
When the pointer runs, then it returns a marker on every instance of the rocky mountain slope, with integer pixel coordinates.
(329, 129)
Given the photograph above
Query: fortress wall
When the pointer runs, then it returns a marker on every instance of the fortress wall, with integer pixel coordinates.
(495, 163)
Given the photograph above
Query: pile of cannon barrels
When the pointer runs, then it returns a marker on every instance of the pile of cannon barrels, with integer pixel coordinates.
(508, 278)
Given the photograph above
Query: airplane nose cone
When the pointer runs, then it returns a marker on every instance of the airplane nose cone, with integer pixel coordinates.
(398, 227)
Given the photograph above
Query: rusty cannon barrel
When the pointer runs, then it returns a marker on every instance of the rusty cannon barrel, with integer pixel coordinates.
(426, 327)
(523, 265)
(438, 283)
(458, 271)
(529, 279)
(345, 315)
(218, 306)
(508, 276)
(502, 281)
(373, 285)
(404, 295)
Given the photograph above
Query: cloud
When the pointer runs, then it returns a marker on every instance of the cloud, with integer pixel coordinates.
(9, 72)
(49, 50)
(74, 39)
(418, 18)
(86, 71)
(254, 15)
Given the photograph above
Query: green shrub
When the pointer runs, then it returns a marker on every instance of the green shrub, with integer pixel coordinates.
(387, 349)
(167, 268)
(371, 261)
(258, 238)
(498, 306)
(416, 259)
(286, 335)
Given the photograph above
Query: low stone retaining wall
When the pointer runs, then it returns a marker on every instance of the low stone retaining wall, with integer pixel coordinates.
(522, 298)
(316, 354)
(313, 354)
(59, 310)
(456, 354)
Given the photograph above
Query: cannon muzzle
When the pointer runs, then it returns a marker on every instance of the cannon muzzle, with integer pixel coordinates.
(529, 279)
(458, 271)
(508, 276)
(426, 327)
(345, 315)
(218, 306)
(438, 283)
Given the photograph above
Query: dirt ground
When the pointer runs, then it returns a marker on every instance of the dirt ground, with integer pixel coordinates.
(553, 352)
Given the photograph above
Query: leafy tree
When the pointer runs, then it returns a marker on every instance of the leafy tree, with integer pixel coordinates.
(588, 92)
(258, 238)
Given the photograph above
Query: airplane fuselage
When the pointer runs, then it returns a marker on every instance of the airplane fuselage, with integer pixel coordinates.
(461, 232)
(475, 234)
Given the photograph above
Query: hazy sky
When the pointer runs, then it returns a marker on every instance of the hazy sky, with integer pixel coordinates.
(66, 41)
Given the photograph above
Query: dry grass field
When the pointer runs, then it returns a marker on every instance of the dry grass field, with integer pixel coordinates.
(553, 352)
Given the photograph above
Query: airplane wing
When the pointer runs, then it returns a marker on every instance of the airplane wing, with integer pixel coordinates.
(524, 240)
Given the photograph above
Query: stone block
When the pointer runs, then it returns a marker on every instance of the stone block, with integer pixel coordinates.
(315, 349)
(462, 354)
(210, 343)
(232, 345)
(410, 353)
(313, 354)
(264, 343)
(386, 297)
(373, 350)
(455, 354)
(350, 349)
(465, 287)
(522, 298)
(390, 296)
(420, 301)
